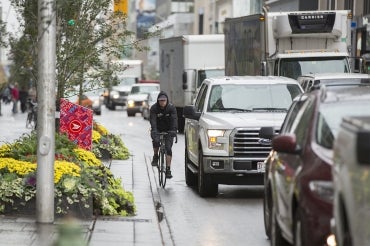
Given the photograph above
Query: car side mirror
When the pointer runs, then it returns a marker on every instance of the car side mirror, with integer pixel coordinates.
(363, 147)
(286, 143)
(190, 112)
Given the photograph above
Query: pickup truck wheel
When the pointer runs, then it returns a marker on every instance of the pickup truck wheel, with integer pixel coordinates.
(130, 114)
(206, 187)
(190, 177)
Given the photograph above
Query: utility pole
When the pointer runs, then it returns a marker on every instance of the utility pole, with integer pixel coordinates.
(46, 111)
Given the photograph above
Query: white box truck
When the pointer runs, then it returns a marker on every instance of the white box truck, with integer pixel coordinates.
(288, 43)
(185, 61)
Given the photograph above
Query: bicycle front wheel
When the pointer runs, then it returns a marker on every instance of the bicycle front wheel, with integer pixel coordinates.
(162, 170)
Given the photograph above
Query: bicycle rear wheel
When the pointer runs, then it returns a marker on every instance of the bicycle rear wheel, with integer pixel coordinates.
(30, 123)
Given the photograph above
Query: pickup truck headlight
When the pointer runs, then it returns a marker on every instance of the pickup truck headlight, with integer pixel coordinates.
(212, 139)
(130, 103)
(114, 94)
(324, 189)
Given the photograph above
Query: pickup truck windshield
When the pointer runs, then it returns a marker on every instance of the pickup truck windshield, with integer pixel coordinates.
(293, 68)
(251, 98)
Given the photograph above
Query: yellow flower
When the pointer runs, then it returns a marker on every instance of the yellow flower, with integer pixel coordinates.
(19, 167)
(95, 136)
(4, 149)
(88, 157)
(101, 129)
(65, 168)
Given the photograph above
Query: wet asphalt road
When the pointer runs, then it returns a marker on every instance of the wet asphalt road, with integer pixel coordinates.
(234, 217)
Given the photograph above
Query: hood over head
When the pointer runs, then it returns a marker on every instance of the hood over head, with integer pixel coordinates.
(162, 94)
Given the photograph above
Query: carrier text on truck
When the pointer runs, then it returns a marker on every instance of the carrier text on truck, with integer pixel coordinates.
(288, 43)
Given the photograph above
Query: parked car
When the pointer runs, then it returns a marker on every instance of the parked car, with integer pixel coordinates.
(298, 196)
(351, 180)
(148, 103)
(221, 129)
(137, 96)
(91, 99)
(314, 81)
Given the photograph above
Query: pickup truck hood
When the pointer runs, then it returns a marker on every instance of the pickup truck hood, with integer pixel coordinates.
(137, 97)
(227, 120)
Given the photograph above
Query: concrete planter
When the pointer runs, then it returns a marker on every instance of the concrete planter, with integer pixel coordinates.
(29, 208)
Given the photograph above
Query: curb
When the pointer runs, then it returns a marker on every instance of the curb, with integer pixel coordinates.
(164, 228)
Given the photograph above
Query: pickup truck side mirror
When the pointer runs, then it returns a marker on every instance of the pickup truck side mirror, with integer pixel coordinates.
(190, 112)
(363, 148)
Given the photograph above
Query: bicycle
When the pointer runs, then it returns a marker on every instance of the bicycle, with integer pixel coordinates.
(31, 121)
(162, 159)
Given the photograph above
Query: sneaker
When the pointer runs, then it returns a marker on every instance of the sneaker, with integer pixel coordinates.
(168, 173)
(155, 160)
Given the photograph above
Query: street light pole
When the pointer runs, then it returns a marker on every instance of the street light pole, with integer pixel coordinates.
(46, 111)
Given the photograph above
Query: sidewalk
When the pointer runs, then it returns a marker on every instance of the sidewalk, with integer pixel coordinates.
(141, 229)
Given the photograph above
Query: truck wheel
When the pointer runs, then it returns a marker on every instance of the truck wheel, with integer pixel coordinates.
(130, 114)
(206, 188)
(190, 177)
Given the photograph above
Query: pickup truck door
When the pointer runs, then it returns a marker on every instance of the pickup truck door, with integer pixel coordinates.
(193, 126)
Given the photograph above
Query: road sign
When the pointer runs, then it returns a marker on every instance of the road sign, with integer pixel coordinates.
(77, 122)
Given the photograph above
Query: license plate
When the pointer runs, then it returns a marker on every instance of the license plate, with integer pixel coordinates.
(261, 166)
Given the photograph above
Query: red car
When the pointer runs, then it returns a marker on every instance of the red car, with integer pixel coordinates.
(298, 199)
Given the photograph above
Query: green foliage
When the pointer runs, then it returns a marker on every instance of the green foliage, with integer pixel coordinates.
(89, 34)
(94, 185)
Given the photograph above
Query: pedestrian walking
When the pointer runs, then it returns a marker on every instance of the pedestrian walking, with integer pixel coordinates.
(15, 98)
(23, 96)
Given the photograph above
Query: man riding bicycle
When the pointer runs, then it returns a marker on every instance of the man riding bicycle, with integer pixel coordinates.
(163, 118)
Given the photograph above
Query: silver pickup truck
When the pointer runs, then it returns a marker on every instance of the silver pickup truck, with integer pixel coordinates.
(222, 144)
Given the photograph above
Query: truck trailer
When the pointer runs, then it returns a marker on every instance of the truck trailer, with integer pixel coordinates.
(288, 43)
(185, 61)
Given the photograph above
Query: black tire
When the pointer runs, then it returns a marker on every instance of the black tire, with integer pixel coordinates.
(162, 170)
(267, 206)
(130, 114)
(206, 187)
(299, 234)
(190, 177)
(342, 228)
(31, 121)
(276, 236)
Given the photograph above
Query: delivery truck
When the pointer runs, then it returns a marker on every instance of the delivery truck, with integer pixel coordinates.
(185, 61)
(288, 43)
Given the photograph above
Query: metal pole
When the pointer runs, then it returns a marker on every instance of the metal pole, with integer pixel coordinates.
(46, 111)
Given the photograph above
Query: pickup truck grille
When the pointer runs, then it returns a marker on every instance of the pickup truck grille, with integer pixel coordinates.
(245, 144)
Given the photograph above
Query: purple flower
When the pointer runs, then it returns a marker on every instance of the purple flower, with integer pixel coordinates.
(30, 181)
